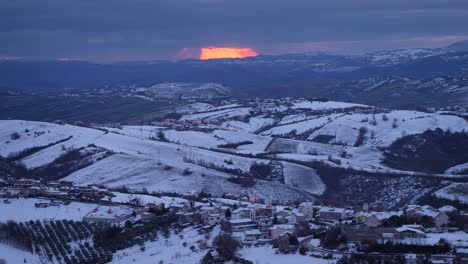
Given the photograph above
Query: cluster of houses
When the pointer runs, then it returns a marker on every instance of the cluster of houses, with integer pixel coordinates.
(25, 187)
(248, 218)
(261, 223)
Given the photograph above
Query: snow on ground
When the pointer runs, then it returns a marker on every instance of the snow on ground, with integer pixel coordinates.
(46, 133)
(458, 169)
(456, 191)
(302, 126)
(193, 138)
(382, 132)
(303, 177)
(143, 132)
(224, 113)
(145, 199)
(316, 105)
(267, 255)
(293, 119)
(194, 108)
(138, 173)
(22, 209)
(170, 250)
(455, 238)
(259, 143)
(14, 255)
(254, 124)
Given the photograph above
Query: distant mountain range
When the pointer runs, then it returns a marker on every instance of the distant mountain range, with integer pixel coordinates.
(402, 73)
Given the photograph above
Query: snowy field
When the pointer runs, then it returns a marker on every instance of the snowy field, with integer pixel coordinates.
(224, 113)
(267, 255)
(21, 210)
(346, 128)
(13, 255)
(456, 191)
(170, 250)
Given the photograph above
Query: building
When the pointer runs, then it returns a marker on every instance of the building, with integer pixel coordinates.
(267, 211)
(243, 212)
(24, 183)
(189, 217)
(461, 256)
(417, 212)
(410, 231)
(212, 219)
(277, 230)
(114, 214)
(332, 213)
(296, 217)
(411, 259)
(238, 225)
(285, 243)
(307, 208)
(373, 221)
(252, 235)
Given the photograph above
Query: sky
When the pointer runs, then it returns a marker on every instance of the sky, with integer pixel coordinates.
(128, 30)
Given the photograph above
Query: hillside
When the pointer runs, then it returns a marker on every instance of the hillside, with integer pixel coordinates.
(301, 150)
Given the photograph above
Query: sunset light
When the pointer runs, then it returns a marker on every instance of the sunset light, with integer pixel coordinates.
(218, 53)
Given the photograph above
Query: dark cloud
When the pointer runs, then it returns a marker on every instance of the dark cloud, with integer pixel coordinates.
(152, 29)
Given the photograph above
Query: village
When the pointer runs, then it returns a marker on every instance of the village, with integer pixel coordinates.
(307, 228)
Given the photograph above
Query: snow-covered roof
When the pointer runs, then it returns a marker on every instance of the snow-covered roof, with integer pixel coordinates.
(332, 209)
(253, 232)
(447, 209)
(408, 229)
(240, 221)
(285, 227)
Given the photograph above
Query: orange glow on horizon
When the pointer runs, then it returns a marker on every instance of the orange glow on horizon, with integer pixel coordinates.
(219, 53)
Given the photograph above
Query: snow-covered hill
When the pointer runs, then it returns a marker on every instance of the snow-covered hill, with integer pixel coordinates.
(210, 145)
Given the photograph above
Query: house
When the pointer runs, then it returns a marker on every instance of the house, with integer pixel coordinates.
(411, 259)
(332, 213)
(264, 224)
(24, 183)
(373, 221)
(307, 208)
(287, 243)
(448, 210)
(410, 231)
(237, 225)
(33, 191)
(461, 255)
(441, 259)
(54, 185)
(277, 230)
(212, 219)
(153, 207)
(296, 217)
(189, 217)
(255, 199)
(417, 212)
(113, 215)
(252, 235)
(264, 211)
(243, 212)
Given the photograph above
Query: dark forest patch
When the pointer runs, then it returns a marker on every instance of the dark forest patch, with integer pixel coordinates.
(433, 151)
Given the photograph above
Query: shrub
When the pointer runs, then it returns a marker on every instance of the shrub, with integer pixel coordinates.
(226, 245)
(261, 170)
(15, 136)
(186, 172)
(302, 250)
